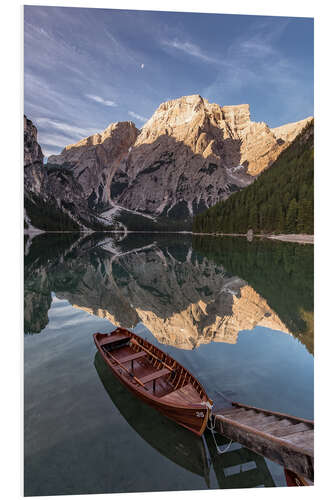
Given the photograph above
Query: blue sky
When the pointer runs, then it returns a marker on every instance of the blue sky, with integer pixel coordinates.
(86, 68)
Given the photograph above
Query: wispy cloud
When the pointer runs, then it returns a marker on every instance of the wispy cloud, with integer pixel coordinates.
(138, 117)
(66, 128)
(191, 49)
(56, 140)
(100, 100)
(54, 135)
(255, 65)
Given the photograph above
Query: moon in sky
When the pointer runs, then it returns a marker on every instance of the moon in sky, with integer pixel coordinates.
(142, 66)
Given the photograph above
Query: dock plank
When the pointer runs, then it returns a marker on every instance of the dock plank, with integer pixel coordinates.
(302, 439)
(284, 439)
(258, 421)
(291, 429)
(271, 412)
(279, 425)
(233, 412)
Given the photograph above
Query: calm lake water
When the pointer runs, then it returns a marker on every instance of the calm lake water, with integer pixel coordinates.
(237, 314)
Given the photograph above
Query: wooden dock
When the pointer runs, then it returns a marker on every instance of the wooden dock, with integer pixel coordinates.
(282, 438)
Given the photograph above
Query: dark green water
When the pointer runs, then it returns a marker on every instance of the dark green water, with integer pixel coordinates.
(239, 315)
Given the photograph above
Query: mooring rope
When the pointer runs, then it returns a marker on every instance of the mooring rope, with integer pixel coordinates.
(211, 427)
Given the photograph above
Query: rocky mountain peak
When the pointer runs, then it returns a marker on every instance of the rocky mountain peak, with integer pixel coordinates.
(114, 132)
(172, 115)
(191, 154)
(188, 156)
(94, 160)
(182, 102)
(179, 117)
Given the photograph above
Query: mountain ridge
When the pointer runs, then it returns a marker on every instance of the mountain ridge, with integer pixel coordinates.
(188, 156)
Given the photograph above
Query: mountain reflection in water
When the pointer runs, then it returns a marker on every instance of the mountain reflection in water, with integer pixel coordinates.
(186, 291)
(83, 431)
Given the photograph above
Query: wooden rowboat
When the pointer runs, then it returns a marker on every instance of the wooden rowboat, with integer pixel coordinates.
(156, 378)
(170, 439)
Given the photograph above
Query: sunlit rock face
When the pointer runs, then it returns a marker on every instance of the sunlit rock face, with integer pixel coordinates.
(187, 157)
(184, 303)
(192, 154)
(289, 131)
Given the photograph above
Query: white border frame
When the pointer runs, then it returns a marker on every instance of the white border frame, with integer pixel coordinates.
(12, 222)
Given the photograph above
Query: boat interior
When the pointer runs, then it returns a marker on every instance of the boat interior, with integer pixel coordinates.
(162, 378)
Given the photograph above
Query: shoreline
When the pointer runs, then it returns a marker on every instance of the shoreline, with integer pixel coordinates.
(294, 238)
(304, 239)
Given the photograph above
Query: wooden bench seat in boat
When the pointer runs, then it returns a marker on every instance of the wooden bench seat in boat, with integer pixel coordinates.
(132, 357)
(155, 375)
(186, 394)
(114, 338)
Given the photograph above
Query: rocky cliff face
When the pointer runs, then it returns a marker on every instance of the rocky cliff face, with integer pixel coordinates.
(34, 171)
(184, 159)
(53, 198)
(288, 132)
(188, 156)
(94, 160)
(32, 150)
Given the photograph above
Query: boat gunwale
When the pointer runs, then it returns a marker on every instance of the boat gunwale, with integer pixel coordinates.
(145, 392)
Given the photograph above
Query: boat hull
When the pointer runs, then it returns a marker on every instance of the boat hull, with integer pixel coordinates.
(193, 417)
(171, 440)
